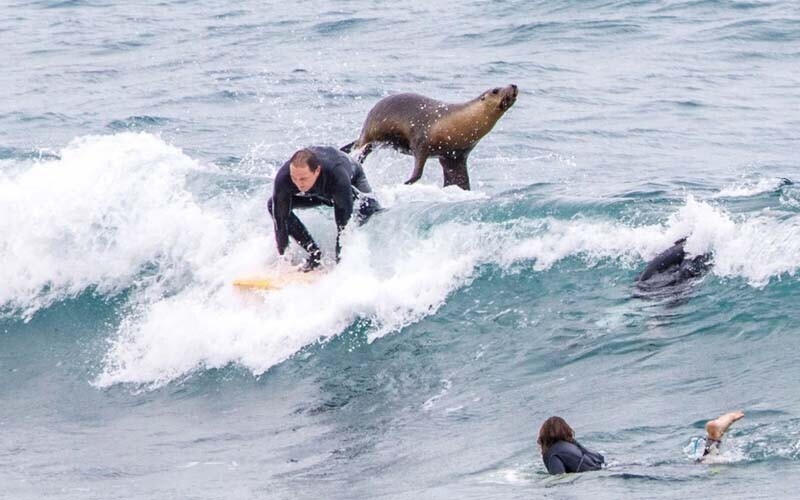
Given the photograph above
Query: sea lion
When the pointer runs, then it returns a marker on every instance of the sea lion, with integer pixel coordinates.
(672, 266)
(424, 127)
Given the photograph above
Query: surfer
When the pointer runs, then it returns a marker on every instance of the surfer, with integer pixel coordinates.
(312, 177)
(561, 452)
(673, 266)
(715, 429)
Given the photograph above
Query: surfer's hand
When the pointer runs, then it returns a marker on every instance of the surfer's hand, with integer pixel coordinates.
(312, 262)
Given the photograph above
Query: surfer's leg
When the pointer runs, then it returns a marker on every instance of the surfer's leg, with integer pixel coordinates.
(717, 428)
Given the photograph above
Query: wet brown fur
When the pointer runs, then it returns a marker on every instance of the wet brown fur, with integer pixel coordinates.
(425, 128)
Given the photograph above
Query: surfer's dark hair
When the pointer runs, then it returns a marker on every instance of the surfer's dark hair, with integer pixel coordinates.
(305, 157)
(553, 430)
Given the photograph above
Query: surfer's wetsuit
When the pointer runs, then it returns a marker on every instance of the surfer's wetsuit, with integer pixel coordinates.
(673, 266)
(341, 185)
(564, 457)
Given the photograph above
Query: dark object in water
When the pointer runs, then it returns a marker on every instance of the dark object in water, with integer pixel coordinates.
(671, 267)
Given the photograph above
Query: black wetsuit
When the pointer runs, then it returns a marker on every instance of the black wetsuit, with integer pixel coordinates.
(571, 457)
(672, 266)
(339, 185)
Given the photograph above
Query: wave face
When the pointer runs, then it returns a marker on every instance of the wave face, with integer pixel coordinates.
(136, 156)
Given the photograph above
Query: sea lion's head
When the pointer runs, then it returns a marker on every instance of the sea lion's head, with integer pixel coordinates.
(500, 98)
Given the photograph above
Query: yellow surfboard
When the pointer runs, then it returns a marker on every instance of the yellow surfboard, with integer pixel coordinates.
(276, 281)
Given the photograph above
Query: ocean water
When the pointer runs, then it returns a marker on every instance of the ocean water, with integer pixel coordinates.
(138, 143)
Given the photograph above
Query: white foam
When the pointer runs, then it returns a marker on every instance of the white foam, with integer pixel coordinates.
(210, 325)
(751, 187)
(393, 195)
(758, 247)
(510, 476)
(115, 213)
(393, 274)
(731, 453)
(95, 217)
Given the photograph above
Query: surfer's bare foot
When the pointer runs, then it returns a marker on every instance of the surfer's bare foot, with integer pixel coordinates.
(719, 426)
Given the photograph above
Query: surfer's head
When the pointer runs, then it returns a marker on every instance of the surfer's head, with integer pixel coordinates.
(554, 429)
(304, 169)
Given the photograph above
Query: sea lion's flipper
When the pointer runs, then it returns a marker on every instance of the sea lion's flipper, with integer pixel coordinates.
(420, 157)
(454, 169)
(348, 148)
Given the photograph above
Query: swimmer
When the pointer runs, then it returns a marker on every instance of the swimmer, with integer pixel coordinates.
(715, 429)
(561, 453)
(673, 266)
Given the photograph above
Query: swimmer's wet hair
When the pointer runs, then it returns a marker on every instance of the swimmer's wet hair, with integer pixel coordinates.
(305, 157)
(553, 430)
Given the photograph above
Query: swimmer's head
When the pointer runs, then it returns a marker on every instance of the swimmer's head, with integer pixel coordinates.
(554, 429)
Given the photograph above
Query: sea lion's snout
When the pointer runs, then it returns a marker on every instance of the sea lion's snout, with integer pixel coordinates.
(509, 97)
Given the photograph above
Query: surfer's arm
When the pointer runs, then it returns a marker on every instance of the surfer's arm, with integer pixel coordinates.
(279, 219)
(360, 179)
(281, 206)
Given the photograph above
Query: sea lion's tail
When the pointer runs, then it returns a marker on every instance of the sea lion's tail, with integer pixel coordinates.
(347, 147)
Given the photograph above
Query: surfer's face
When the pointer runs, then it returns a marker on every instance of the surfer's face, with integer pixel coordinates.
(303, 177)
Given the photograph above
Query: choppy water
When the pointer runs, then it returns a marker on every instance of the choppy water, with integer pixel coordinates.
(138, 141)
